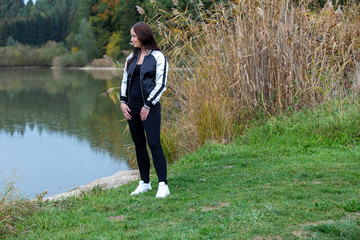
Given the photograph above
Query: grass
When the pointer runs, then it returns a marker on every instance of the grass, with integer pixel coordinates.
(343, 229)
(282, 180)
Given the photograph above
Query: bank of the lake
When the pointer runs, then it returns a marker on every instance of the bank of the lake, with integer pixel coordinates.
(296, 177)
(116, 180)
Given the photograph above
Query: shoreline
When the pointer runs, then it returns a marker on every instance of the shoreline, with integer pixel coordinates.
(85, 68)
(64, 68)
(120, 178)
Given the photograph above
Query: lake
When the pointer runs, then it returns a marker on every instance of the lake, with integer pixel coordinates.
(57, 131)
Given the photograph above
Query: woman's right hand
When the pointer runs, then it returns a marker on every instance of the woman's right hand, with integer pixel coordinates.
(126, 110)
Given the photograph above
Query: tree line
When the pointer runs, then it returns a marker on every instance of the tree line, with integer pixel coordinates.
(94, 27)
(88, 29)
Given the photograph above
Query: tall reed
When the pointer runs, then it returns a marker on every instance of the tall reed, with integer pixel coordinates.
(13, 208)
(250, 59)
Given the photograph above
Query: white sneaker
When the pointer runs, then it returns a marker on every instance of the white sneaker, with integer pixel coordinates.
(163, 190)
(143, 187)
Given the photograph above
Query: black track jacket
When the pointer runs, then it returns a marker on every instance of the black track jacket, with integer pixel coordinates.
(153, 77)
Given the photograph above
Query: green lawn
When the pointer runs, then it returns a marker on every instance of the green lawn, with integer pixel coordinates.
(296, 177)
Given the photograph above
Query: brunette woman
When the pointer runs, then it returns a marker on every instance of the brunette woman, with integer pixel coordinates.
(144, 81)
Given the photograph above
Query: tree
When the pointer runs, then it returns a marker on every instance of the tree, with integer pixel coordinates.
(128, 16)
(112, 48)
(17, 6)
(84, 9)
(101, 31)
(28, 9)
(86, 39)
(29, 4)
(4, 33)
(11, 42)
(44, 24)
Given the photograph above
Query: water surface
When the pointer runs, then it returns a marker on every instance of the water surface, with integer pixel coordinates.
(56, 131)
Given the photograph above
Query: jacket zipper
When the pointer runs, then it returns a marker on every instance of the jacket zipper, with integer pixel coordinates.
(142, 94)
(132, 73)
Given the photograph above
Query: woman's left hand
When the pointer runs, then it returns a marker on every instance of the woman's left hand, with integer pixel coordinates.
(144, 113)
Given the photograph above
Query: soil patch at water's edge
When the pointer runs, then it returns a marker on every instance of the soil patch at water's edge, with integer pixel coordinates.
(118, 179)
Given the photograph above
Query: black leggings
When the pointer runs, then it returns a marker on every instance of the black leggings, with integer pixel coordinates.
(151, 126)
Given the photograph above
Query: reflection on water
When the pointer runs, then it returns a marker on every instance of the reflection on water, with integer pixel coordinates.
(56, 130)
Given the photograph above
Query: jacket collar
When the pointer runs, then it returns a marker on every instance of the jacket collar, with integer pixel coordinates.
(138, 54)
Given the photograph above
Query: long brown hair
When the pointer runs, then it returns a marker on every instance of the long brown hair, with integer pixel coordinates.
(146, 37)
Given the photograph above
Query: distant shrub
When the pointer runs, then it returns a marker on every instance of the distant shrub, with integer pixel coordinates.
(19, 55)
(58, 61)
(78, 59)
(102, 62)
(49, 51)
(24, 55)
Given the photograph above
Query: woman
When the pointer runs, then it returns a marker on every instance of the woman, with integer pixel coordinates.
(143, 82)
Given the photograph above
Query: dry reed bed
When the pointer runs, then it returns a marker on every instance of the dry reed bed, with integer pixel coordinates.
(252, 59)
(13, 209)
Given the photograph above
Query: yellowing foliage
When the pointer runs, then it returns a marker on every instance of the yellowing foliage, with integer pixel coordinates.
(75, 49)
(112, 48)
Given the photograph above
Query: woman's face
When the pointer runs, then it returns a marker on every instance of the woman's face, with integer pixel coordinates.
(135, 41)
